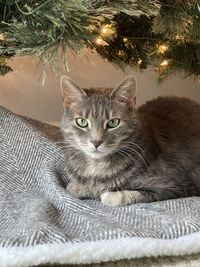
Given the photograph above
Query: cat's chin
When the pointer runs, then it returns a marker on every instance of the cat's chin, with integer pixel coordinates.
(96, 154)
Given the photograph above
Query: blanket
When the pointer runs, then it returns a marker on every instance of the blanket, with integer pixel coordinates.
(41, 223)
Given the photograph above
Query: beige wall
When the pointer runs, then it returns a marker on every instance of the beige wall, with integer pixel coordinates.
(21, 91)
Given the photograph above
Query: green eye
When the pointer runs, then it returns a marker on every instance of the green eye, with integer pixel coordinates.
(81, 122)
(113, 123)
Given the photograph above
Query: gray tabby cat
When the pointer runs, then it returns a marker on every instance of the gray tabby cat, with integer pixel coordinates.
(125, 155)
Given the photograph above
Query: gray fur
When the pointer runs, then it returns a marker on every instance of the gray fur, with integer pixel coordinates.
(154, 155)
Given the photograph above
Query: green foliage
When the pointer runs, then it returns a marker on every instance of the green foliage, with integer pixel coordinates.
(134, 41)
(184, 58)
(176, 25)
(175, 18)
(48, 28)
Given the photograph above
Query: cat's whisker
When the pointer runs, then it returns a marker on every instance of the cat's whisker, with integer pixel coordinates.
(138, 157)
(133, 146)
(136, 164)
(132, 149)
(136, 145)
(137, 154)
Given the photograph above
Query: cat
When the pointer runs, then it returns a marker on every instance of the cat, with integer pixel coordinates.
(123, 155)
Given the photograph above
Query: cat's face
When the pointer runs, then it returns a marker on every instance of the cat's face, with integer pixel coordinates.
(98, 124)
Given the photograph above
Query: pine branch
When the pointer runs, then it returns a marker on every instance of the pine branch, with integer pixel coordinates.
(41, 29)
(176, 18)
(48, 28)
(184, 59)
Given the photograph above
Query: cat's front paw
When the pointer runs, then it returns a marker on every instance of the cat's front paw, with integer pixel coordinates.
(112, 198)
(121, 198)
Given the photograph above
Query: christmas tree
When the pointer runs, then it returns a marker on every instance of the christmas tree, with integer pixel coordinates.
(137, 33)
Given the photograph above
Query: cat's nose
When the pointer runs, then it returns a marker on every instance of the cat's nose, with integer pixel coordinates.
(97, 143)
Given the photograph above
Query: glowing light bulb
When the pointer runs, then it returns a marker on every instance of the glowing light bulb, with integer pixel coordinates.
(162, 49)
(164, 63)
(100, 41)
(125, 39)
(2, 37)
(108, 30)
(104, 30)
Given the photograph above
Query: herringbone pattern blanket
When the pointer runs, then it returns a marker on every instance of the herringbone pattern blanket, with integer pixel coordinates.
(36, 211)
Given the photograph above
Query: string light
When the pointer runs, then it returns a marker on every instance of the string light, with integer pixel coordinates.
(104, 30)
(162, 49)
(100, 41)
(2, 37)
(139, 61)
(108, 30)
(164, 63)
(125, 39)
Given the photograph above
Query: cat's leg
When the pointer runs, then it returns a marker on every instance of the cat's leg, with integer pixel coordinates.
(123, 198)
(151, 188)
(77, 189)
(166, 178)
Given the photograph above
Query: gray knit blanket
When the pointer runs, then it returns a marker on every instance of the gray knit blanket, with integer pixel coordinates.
(40, 222)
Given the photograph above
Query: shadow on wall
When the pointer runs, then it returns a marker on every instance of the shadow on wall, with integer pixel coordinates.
(22, 92)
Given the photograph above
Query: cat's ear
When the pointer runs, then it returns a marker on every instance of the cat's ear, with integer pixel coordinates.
(125, 92)
(71, 92)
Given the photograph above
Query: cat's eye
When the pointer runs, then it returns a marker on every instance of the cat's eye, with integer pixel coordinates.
(81, 122)
(113, 123)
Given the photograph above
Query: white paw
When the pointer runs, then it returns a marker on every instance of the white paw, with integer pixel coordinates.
(113, 199)
(121, 198)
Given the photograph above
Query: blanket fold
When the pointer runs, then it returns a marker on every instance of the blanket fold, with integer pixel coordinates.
(37, 214)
